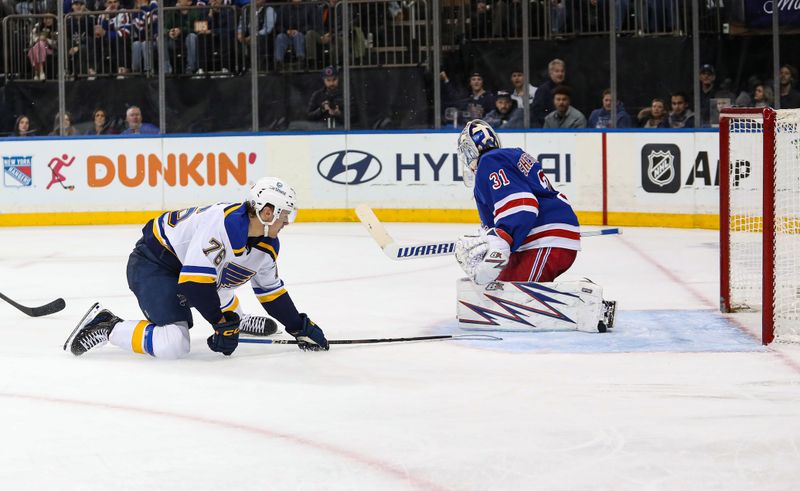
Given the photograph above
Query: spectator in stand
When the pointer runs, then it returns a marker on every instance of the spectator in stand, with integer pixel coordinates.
(658, 15)
(745, 97)
(763, 96)
(69, 130)
(518, 91)
(564, 115)
(558, 16)
(133, 117)
(320, 35)
(141, 46)
(294, 20)
(265, 31)
(708, 91)
(181, 38)
(101, 125)
(327, 104)
(80, 39)
(216, 42)
(654, 116)
(22, 126)
(477, 102)
(790, 98)
(543, 101)
(43, 45)
(326, 30)
(505, 114)
(488, 18)
(681, 116)
(601, 118)
(112, 38)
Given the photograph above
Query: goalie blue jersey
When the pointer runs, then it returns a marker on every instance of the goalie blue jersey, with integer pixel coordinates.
(516, 199)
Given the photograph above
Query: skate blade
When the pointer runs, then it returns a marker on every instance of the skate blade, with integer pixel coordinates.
(90, 314)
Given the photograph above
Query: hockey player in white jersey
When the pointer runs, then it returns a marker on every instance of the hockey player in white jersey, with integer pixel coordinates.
(530, 236)
(196, 258)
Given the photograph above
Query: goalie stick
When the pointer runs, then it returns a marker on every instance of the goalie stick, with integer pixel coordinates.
(463, 337)
(426, 249)
(46, 309)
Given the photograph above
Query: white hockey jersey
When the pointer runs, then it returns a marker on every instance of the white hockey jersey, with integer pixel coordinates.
(211, 253)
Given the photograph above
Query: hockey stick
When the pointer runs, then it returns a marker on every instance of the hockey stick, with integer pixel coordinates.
(427, 249)
(463, 337)
(46, 309)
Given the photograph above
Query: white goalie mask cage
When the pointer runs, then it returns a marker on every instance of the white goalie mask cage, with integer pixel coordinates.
(273, 191)
(476, 138)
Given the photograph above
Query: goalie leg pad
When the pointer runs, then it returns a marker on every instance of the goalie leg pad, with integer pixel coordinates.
(527, 306)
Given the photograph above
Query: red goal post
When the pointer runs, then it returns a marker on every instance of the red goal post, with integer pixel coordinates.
(760, 217)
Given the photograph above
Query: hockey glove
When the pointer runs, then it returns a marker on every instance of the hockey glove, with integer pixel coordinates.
(483, 257)
(226, 335)
(310, 337)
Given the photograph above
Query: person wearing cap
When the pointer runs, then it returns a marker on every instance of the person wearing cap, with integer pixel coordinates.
(543, 100)
(563, 114)
(505, 114)
(476, 103)
(707, 92)
(327, 103)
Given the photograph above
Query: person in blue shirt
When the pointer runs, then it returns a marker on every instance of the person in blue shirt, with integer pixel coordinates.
(133, 117)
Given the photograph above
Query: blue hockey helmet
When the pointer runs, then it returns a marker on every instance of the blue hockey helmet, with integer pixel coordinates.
(476, 138)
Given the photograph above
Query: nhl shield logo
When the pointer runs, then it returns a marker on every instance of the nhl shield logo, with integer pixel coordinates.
(661, 168)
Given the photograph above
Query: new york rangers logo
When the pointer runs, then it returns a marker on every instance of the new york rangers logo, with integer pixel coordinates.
(17, 171)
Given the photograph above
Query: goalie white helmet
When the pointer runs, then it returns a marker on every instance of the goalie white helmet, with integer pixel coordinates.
(476, 138)
(273, 191)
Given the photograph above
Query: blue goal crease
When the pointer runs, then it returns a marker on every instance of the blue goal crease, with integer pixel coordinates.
(635, 331)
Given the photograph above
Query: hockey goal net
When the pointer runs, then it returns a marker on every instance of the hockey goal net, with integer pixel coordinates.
(760, 218)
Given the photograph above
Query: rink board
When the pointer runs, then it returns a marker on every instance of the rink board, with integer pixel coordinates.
(647, 178)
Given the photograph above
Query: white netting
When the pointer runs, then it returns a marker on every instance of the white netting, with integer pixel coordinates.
(746, 148)
(746, 210)
(787, 226)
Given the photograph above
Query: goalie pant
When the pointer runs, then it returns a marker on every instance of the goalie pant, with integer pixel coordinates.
(528, 306)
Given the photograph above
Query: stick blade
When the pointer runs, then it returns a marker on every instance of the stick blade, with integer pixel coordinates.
(56, 305)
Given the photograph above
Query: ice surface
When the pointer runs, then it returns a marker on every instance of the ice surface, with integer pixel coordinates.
(679, 397)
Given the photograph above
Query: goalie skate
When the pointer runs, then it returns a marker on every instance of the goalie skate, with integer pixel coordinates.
(527, 306)
(92, 331)
(609, 311)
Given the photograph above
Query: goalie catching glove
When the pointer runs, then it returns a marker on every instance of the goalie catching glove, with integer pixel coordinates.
(482, 257)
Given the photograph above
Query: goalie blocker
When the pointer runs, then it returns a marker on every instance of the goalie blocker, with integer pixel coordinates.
(528, 306)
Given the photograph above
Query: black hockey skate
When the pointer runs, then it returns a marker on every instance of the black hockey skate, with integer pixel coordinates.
(609, 310)
(92, 331)
(254, 325)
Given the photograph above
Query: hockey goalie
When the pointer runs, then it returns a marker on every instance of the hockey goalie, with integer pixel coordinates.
(530, 235)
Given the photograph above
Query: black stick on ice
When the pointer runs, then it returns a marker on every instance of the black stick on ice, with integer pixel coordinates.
(46, 309)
